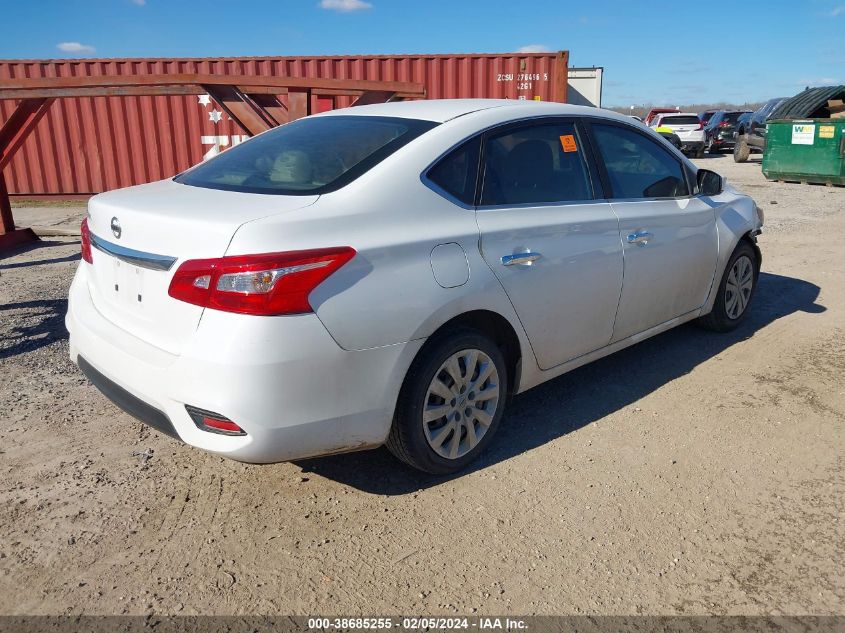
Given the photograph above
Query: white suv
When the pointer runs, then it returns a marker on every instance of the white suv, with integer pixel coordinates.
(688, 127)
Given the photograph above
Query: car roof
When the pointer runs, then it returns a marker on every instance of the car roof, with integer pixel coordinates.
(442, 110)
(666, 115)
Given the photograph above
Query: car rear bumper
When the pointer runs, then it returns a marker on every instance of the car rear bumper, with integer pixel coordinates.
(723, 142)
(283, 380)
(132, 405)
(723, 139)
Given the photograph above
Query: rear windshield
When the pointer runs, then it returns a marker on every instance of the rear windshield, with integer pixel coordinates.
(306, 157)
(732, 117)
(689, 119)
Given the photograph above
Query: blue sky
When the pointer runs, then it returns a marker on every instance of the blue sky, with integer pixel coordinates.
(667, 52)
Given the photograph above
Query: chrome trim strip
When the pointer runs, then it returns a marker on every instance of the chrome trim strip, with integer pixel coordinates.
(131, 256)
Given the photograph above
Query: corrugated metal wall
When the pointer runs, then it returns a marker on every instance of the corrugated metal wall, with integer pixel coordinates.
(87, 145)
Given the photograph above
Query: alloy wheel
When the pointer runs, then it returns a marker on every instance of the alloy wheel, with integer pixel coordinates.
(460, 403)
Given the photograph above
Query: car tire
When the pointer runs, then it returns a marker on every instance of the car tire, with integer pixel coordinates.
(741, 150)
(699, 152)
(712, 149)
(736, 290)
(472, 410)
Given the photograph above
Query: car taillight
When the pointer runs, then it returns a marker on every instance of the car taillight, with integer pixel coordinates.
(267, 284)
(700, 125)
(724, 124)
(85, 235)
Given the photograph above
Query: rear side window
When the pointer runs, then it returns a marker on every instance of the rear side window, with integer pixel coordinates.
(308, 156)
(637, 166)
(457, 172)
(680, 120)
(535, 164)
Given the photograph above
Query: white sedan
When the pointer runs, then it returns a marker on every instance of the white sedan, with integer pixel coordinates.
(392, 274)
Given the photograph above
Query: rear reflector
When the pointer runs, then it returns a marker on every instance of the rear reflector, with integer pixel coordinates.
(213, 422)
(85, 235)
(267, 284)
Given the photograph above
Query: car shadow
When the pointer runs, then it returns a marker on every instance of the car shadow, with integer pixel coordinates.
(36, 245)
(32, 325)
(582, 396)
(42, 262)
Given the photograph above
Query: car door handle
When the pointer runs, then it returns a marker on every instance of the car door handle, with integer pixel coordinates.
(640, 238)
(520, 259)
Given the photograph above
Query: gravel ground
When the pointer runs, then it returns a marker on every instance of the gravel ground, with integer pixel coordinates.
(692, 474)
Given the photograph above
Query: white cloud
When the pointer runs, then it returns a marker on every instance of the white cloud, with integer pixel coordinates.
(75, 47)
(534, 48)
(140, 3)
(837, 11)
(345, 6)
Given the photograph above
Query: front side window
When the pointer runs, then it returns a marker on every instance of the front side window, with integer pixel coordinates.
(535, 164)
(309, 156)
(637, 166)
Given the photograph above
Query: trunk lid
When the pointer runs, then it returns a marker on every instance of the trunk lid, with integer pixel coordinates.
(687, 132)
(142, 234)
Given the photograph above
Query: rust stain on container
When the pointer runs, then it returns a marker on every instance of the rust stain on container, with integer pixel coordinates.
(88, 145)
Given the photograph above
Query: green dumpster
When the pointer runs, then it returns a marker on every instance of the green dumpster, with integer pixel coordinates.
(809, 150)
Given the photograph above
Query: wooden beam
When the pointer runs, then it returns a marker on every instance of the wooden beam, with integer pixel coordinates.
(173, 91)
(114, 91)
(241, 108)
(9, 235)
(374, 96)
(18, 126)
(7, 221)
(303, 83)
(271, 105)
(299, 104)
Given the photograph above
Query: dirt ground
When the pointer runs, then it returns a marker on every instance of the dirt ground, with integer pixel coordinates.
(692, 474)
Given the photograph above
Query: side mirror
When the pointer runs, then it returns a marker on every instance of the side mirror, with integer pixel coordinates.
(709, 183)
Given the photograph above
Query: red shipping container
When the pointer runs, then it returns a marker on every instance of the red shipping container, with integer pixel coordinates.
(88, 145)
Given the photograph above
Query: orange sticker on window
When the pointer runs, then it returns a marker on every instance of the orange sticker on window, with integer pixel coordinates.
(568, 143)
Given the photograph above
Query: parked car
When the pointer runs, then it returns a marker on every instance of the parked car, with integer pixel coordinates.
(649, 118)
(688, 128)
(705, 116)
(393, 273)
(751, 133)
(720, 131)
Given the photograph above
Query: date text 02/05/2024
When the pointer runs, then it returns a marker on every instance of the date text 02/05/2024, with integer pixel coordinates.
(417, 623)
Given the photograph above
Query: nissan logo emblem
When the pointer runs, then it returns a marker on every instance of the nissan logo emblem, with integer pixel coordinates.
(115, 227)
